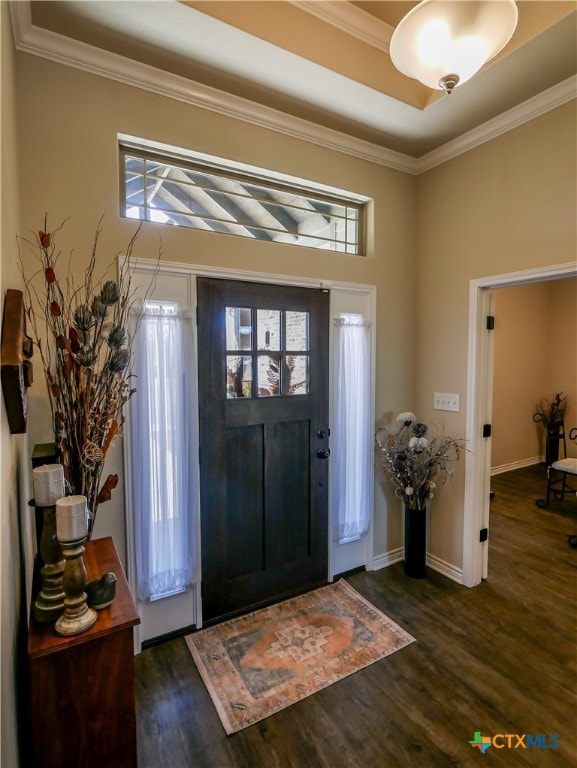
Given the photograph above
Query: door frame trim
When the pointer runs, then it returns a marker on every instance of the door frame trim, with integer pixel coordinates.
(479, 409)
(147, 267)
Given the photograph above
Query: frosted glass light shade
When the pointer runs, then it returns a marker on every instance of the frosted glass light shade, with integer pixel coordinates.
(439, 39)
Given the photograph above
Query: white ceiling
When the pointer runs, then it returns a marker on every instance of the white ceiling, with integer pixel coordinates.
(323, 63)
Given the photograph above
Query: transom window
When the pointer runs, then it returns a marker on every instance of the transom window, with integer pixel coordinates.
(224, 199)
(267, 352)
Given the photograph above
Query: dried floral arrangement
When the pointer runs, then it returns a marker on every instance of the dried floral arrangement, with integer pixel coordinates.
(85, 356)
(552, 412)
(417, 458)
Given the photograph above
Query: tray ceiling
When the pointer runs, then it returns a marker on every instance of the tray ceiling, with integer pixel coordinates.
(323, 61)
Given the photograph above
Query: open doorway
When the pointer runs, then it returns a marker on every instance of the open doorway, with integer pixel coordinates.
(480, 408)
(535, 354)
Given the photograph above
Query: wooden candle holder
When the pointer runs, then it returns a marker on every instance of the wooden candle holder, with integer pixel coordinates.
(49, 603)
(77, 616)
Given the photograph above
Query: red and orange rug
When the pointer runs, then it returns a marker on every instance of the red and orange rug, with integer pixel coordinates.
(258, 664)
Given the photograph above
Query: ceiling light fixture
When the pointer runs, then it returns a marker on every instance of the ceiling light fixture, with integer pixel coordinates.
(443, 43)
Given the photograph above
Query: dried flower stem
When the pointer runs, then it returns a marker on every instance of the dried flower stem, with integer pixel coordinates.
(85, 358)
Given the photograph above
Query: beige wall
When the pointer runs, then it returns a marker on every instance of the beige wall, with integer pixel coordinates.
(507, 206)
(506, 213)
(562, 364)
(73, 172)
(535, 356)
(12, 448)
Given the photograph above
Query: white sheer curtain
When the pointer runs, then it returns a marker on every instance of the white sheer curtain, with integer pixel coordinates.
(164, 445)
(352, 442)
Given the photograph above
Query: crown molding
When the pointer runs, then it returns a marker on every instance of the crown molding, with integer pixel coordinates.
(74, 53)
(352, 20)
(529, 110)
(64, 50)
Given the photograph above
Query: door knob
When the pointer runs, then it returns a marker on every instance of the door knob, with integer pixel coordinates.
(323, 454)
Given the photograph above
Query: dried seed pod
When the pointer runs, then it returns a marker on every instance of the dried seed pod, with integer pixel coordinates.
(109, 293)
(117, 337)
(86, 356)
(119, 361)
(83, 318)
(98, 308)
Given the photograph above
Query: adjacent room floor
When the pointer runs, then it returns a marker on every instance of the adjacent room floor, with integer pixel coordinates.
(496, 659)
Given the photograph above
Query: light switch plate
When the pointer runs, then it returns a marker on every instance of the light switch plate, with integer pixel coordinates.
(446, 402)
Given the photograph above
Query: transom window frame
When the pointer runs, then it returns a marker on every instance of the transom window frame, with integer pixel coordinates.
(276, 220)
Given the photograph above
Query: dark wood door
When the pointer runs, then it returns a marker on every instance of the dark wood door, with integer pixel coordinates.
(263, 395)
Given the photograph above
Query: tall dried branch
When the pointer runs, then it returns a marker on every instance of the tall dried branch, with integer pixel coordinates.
(86, 355)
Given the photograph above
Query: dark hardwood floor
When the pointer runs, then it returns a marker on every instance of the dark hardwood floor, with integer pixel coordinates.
(499, 659)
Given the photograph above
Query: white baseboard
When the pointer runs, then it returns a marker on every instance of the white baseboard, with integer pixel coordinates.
(388, 558)
(396, 556)
(517, 465)
(446, 569)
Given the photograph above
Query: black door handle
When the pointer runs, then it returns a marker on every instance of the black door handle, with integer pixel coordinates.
(323, 454)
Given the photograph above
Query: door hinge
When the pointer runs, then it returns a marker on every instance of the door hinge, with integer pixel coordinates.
(486, 430)
(483, 534)
(490, 322)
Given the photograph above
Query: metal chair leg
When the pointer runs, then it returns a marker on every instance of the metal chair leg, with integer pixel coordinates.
(544, 503)
(558, 495)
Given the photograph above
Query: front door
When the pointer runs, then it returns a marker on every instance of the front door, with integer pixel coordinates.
(263, 394)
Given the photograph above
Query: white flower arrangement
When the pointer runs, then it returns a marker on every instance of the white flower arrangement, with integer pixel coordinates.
(417, 458)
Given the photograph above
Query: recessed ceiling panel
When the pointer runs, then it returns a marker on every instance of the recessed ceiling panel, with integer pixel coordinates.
(329, 66)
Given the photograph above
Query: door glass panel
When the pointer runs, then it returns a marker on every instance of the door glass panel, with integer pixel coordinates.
(268, 325)
(238, 376)
(241, 335)
(268, 375)
(297, 331)
(298, 367)
(238, 328)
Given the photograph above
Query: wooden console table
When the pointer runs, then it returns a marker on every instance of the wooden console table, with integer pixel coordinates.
(82, 687)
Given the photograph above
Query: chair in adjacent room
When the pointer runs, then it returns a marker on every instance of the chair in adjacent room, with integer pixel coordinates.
(560, 472)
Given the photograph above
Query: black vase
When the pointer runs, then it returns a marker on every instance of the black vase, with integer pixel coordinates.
(415, 543)
(552, 443)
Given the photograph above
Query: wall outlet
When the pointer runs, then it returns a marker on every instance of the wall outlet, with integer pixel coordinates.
(445, 402)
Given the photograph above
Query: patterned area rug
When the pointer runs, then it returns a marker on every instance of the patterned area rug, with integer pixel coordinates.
(256, 665)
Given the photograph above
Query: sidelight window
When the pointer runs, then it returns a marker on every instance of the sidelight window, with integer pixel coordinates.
(353, 438)
(162, 435)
